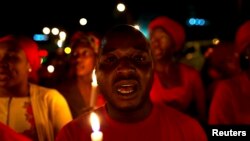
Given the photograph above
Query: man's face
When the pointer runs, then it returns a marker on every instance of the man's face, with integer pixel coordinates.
(124, 71)
(13, 65)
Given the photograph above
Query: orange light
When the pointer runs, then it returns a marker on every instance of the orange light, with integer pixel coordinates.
(96, 135)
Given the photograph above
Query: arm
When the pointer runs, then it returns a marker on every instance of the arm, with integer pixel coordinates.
(59, 111)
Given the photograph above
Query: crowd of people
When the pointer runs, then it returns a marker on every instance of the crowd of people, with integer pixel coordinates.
(143, 91)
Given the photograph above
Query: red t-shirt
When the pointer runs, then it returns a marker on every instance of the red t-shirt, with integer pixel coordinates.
(8, 134)
(163, 124)
(181, 97)
(230, 104)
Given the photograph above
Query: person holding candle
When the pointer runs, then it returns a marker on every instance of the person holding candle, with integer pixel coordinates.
(124, 74)
(78, 88)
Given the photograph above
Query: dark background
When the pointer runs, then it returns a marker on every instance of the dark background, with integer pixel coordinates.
(224, 16)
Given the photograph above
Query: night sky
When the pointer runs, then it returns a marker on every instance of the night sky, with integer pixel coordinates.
(223, 15)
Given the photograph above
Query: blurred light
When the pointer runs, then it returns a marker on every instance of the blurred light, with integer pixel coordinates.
(41, 60)
(201, 22)
(215, 41)
(60, 43)
(208, 52)
(40, 37)
(137, 26)
(67, 50)
(55, 31)
(50, 68)
(43, 53)
(196, 22)
(46, 30)
(145, 33)
(62, 35)
(120, 7)
(83, 21)
(191, 21)
(44, 59)
(142, 25)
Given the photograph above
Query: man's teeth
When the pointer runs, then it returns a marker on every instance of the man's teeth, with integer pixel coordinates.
(125, 89)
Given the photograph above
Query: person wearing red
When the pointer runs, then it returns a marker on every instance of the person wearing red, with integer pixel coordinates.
(218, 67)
(230, 103)
(125, 75)
(8, 134)
(175, 84)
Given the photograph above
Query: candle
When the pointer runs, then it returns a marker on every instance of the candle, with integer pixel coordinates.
(96, 135)
(93, 95)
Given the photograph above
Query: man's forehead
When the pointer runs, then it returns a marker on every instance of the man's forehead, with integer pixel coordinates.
(124, 42)
(123, 47)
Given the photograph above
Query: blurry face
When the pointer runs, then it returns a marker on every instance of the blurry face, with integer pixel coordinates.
(84, 60)
(124, 72)
(227, 66)
(160, 43)
(13, 66)
(224, 62)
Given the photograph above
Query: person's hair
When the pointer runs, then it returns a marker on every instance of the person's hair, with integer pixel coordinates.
(88, 39)
(124, 30)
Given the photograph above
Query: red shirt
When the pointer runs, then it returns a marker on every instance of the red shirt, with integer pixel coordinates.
(181, 97)
(230, 104)
(8, 134)
(163, 124)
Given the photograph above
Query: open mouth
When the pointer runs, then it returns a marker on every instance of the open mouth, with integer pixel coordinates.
(126, 88)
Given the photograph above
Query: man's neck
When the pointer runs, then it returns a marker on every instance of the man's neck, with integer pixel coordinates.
(130, 116)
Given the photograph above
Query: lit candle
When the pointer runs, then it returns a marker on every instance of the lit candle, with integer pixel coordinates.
(93, 95)
(96, 135)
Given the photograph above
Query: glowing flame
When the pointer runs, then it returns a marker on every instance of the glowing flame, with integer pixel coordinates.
(94, 81)
(94, 121)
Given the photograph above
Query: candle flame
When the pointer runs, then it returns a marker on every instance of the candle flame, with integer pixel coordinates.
(94, 121)
(94, 81)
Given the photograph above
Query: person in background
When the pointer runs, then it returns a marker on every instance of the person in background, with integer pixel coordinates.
(175, 84)
(29, 109)
(8, 134)
(125, 75)
(230, 103)
(77, 87)
(221, 63)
